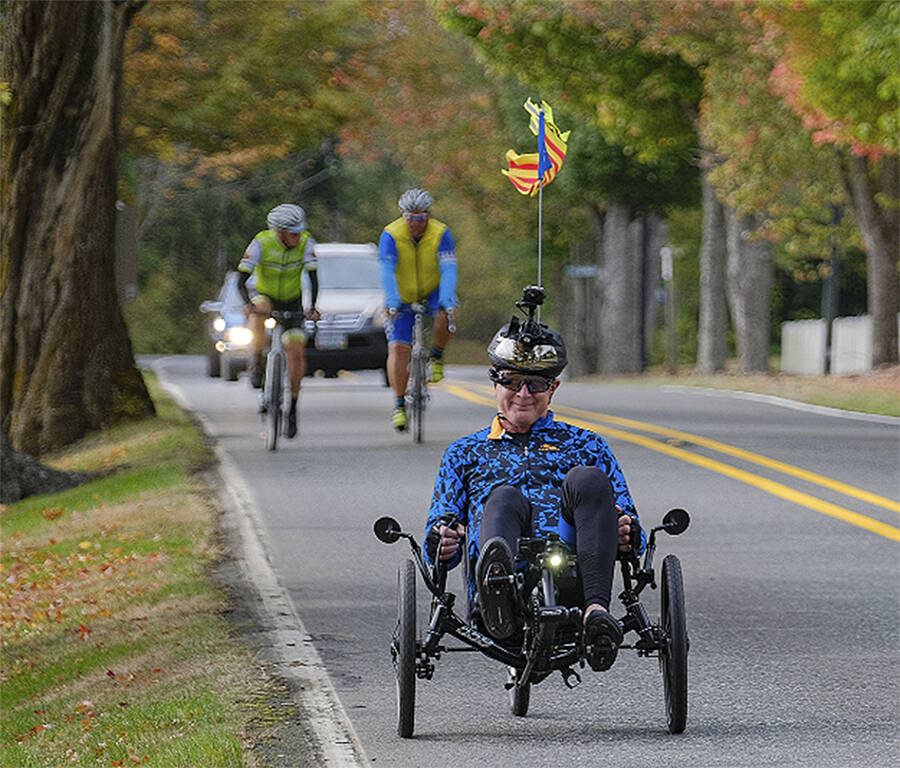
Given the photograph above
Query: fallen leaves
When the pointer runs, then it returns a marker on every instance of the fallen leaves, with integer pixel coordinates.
(51, 513)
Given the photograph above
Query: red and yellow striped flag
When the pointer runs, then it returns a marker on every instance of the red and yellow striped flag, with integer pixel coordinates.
(523, 169)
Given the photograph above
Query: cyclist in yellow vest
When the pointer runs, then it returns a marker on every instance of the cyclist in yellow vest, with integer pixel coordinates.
(278, 257)
(418, 264)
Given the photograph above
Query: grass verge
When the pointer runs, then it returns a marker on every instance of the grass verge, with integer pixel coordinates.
(876, 391)
(115, 648)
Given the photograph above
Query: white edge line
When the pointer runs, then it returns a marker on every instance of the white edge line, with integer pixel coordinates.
(822, 410)
(299, 659)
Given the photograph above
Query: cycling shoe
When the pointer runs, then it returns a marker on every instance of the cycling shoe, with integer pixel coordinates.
(602, 638)
(291, 429)
(496, 589)
(257, 373)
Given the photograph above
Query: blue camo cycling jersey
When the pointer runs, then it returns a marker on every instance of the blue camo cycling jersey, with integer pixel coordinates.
(476, 464)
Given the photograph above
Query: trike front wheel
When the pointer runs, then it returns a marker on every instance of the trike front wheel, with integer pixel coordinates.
(673, 658)
(519, 695)
(405, 649)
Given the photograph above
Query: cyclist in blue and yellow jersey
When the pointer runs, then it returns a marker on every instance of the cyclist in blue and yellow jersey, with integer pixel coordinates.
(529, 475)
(278, 257)
(418, 264)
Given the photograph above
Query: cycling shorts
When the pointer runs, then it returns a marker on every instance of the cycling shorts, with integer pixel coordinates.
(398, 328)
(293, 329)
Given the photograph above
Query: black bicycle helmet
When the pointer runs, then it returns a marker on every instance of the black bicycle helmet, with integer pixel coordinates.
(528, 347)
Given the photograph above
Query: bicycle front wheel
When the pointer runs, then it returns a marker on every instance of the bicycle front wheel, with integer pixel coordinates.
(274, 392)
(419, 396)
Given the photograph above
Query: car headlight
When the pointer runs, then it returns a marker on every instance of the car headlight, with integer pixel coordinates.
(219, 324)
(239, 336)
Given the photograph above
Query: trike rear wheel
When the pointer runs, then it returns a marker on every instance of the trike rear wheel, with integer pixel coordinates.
(673, 658)
(405, 649)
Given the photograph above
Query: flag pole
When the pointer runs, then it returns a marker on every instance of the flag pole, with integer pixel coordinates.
(541, 149)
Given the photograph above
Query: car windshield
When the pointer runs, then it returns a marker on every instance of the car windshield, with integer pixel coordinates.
(348, 273)
(229, 295)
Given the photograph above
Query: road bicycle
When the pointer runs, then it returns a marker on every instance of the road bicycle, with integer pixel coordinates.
(417, 387)
(549, 635)
(274, 398)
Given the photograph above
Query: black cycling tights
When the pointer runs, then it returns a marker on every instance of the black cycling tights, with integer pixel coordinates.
(587, 505)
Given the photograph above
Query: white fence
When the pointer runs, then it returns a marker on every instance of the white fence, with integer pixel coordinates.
(803, 345)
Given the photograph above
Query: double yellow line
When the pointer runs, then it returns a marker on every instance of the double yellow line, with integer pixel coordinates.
(591, 420)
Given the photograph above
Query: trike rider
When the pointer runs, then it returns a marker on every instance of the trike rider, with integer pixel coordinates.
(418, 264)
(278, 257)
(529, 475)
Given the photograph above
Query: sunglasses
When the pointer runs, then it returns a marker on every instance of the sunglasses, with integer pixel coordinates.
(515, 381)
(416, 216)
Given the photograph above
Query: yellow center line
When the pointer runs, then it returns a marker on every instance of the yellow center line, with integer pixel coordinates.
(730, 450)
(770, 486)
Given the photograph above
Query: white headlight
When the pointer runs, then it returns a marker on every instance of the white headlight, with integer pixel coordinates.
(239, 335)
(219, 324)
(270, 322)
(555, 560)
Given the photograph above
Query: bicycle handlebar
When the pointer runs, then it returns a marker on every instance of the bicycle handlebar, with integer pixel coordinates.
(420, 309)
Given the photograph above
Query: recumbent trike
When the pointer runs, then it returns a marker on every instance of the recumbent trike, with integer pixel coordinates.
(551, 636)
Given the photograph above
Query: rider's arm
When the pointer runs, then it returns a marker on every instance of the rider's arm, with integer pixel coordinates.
(249, 262)
(446, 257)
(621, 495)
(448, 499)
(387, 261)
(313, 288)
(243, 277)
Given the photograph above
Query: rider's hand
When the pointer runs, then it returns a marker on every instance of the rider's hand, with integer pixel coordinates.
(624, 531)
(313, 315)
(248, 310)
(450, 538)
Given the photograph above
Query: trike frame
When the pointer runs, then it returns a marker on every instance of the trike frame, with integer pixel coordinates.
(536, 652)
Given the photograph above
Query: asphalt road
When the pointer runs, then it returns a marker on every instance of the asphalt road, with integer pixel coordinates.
(792, 580)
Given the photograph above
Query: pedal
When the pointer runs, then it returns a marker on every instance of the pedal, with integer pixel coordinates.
(498, 581)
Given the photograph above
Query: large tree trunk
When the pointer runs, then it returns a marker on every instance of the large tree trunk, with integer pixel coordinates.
(620, 294)
(749, 282)
(22, 476)
(712, 343)
(66, 361)
(879, 225)
(578, 312)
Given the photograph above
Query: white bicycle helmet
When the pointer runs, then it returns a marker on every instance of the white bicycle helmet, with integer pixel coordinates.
(415, 199)
(287, 218)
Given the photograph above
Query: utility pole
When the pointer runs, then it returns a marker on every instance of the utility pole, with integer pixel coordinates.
(668, 274)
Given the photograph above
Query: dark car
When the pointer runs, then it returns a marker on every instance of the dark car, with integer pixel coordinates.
(227, 339)
(350, 334)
